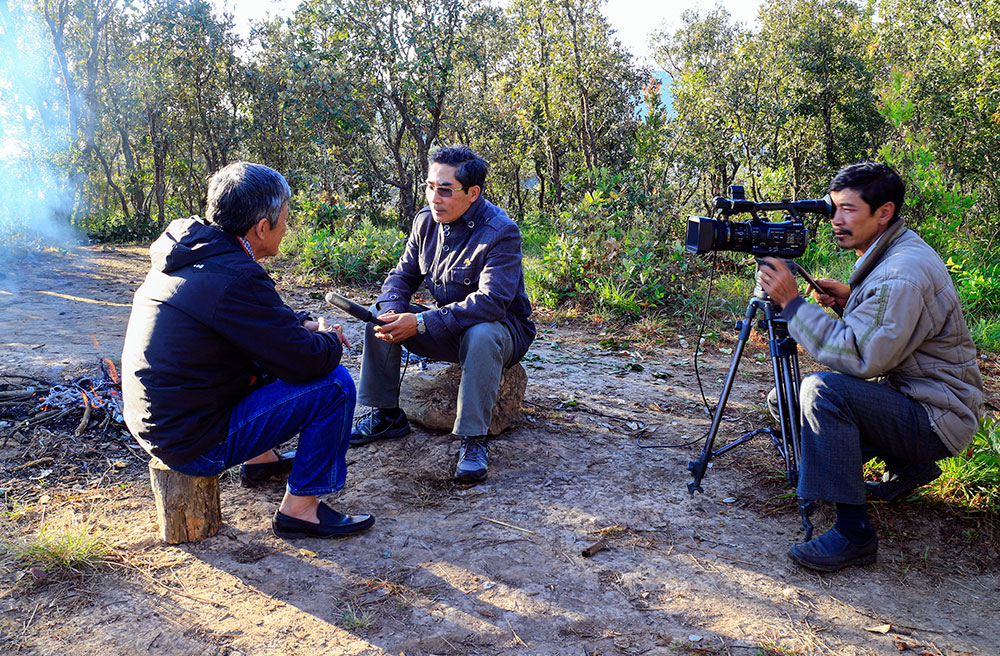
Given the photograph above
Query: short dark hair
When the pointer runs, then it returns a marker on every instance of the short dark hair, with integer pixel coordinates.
(470, 168)
(876, 183)
(241, 194)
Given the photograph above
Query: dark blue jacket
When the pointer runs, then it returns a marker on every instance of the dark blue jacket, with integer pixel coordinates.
(472, 267)
(206, 324)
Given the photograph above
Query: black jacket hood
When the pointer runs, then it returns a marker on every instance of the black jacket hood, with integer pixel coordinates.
(190, 240)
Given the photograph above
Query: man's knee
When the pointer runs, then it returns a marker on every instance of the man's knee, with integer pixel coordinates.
(339, 385)
(482, 337)
(828, 385)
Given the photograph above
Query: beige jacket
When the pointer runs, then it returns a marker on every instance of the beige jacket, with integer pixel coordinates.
(903, 323)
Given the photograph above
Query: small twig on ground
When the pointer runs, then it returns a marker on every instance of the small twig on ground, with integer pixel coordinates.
(82, 426)
(47, 416)
(600, 545)
(723, 556)
(516, 528)
(31, 619)
(34, 463)
(16, 395)
(514, 633)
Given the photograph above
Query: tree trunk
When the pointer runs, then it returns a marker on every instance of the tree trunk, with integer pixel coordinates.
(187, 507)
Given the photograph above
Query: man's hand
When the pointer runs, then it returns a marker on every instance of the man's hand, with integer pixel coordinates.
(323, 328)
(778, 281)
(838, 292)
(397, 327)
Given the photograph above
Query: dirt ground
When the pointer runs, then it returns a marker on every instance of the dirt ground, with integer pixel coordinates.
(494, 568)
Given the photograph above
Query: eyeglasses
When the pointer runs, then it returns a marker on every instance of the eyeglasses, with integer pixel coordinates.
(444, 192)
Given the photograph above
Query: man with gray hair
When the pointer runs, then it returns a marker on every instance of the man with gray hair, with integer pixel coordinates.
(217, 370)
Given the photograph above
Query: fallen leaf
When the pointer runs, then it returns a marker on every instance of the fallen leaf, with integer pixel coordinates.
(881, 628)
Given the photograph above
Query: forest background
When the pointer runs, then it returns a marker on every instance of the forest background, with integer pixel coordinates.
(116, 112)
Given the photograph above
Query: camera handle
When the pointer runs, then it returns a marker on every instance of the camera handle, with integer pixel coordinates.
(798, 268)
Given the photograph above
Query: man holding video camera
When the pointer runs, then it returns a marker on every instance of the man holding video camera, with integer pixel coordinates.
(905, 386)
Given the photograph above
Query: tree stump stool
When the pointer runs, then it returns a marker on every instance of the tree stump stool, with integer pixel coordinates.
(187, 507)
(430, 397)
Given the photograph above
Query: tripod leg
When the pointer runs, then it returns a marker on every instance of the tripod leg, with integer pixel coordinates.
(792, 384)
(700, 466)
(791, 438)
(786, 416)
(806, 508)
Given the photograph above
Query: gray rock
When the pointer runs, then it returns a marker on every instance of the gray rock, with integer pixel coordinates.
(429, 397)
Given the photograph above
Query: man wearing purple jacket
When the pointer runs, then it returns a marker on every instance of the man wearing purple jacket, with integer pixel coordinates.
(468, 251)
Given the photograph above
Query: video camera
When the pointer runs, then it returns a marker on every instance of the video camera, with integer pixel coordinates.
(785, 239)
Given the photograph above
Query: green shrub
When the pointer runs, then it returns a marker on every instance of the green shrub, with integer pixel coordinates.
(313, 213)
(536, 232)
(561, 271)
(359, 253)
(112, 227)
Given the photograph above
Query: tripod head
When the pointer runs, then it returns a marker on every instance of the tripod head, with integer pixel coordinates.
(796, 269)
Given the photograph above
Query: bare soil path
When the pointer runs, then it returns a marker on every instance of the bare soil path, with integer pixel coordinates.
(452, 569)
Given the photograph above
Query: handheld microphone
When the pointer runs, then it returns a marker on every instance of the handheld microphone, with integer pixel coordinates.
(352, 308)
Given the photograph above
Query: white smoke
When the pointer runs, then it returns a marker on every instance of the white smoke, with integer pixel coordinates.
(36, 197)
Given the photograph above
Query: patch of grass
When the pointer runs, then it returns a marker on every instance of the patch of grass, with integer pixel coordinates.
(972, 479)
(59, 551)
(15, 509)
(772, 648)
(986, 333)
(687, 648)
(353, 617)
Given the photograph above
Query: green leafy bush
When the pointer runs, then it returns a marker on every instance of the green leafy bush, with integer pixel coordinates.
(561, 271)
(360, 253)
(112, 227)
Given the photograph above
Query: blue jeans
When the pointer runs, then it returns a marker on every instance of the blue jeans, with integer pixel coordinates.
(321, 411)
(847, 421)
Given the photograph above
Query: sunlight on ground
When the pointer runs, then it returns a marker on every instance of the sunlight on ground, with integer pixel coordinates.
(83, 300)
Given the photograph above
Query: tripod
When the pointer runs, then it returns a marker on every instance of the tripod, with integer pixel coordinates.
(785, 368)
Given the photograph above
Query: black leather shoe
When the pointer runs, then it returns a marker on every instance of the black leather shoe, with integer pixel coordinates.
(832, 551)
(473, 460)
(901, 483)
(332, 524)
(378, 425)
(264, 473)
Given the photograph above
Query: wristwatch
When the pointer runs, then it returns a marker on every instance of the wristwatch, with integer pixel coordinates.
(421, 326)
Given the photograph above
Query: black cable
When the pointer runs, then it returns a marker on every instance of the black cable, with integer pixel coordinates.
(697, 373)
(701, 331)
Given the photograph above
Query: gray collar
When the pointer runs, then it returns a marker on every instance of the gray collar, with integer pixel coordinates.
(874, 255)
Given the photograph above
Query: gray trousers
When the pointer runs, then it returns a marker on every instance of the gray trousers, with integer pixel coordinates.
(847, 421)
(483, 350)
